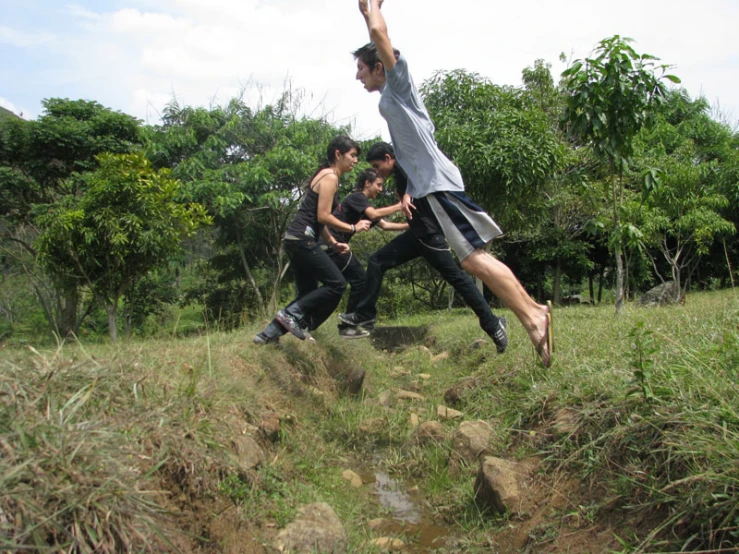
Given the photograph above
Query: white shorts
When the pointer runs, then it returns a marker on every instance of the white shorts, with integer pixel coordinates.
(465, 225)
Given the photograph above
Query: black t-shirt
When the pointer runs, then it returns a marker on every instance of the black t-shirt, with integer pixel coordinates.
(424, 221)
(350, 211)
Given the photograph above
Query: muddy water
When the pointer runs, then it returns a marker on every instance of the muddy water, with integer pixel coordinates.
(408, 520)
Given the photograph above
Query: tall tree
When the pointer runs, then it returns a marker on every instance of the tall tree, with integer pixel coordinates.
(501, 139)
(37, 159)
(127, 223)
(685, 208)
(610, 97)
(248, 167)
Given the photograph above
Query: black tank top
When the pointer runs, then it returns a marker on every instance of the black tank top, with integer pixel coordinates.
(305, 223)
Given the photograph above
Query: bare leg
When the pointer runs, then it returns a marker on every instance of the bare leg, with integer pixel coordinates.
(500, 279)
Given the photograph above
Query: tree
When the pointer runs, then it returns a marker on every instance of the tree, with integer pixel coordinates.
(248, 167)
(37, 159)
(682, 216)
(127, 223)
(610, 97)
(501, 139)
(684, 210)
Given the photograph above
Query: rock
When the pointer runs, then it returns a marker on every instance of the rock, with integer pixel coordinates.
(448, 413)
(354, 380)
(354, 479)
(397, 338)
(496, 485)
(440, 357)
(666, 293)
(372, 426)
(388, 544)
(472, 440)
(477, 345)
(457, 393)
(315, 529)
(399, 370)
(408, 395)
(424, 350)
(249, 454)
(430, 431)
(565, 421)
(270, 426)
(386, 398)
(376, 523)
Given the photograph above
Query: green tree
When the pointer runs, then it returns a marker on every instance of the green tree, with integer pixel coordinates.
(610, 97)
(37, 160)
(126, 223)
(685, 207)
(248, 167)
(502, 140)
(682, 216)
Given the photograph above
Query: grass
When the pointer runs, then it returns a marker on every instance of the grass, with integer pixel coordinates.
(130, 448)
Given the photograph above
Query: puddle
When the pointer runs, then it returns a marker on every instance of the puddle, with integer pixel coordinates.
(407, 519)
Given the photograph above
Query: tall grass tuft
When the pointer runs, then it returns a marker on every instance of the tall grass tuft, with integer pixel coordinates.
(69, 483)
(666, 450)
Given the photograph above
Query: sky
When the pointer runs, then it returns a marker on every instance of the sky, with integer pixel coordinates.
(136, 56)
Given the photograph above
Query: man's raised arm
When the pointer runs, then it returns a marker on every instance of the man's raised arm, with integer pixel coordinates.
(370, 10)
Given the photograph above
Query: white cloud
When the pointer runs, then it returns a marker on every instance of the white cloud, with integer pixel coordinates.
(137, 57)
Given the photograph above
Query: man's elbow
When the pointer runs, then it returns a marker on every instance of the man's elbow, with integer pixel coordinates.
(377, 31)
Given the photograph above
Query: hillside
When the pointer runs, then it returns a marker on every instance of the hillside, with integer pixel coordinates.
(6, 113)
(213, 444)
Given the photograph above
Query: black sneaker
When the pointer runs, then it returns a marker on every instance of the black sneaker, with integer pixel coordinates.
(500, 337)
(355, 321)
(261, 338)
(353, 333)
(290, 324)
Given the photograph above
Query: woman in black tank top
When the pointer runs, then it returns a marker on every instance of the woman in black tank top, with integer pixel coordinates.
(310, 263)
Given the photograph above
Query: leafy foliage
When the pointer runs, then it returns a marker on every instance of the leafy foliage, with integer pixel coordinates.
(127, 223)
(500, 138)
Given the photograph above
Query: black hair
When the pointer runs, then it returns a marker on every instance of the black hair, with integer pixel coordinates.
(379, 150)
(368, 54)
(366, 175)
(343, 144)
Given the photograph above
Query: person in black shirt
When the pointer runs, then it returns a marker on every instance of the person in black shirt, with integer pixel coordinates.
(353, 208)
(424, 238)
(310, 263)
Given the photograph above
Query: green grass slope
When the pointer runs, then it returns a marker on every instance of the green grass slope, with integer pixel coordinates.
(633, 434)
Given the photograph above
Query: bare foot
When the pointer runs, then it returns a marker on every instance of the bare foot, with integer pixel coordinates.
(542, 336)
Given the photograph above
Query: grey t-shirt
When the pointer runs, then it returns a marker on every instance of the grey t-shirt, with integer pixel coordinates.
(412, 135)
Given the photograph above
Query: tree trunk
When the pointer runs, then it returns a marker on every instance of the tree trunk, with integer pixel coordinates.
(591, 290)
(728, 264)
(250, 278)
(112, 310)
(69, 305)
(556, 285)
(617, 229)
(619, 280)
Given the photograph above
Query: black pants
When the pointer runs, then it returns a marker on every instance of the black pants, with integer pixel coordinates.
(311, 266)
(434, 249)
(355, 275)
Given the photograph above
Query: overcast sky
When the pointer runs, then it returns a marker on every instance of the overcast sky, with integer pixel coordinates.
(136, 55)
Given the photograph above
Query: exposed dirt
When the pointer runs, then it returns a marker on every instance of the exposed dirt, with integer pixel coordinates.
(555, 516)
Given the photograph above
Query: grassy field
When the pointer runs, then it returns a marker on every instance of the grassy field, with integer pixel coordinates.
(633, 434)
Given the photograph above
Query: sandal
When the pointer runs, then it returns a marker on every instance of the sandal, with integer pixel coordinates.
(547, 341)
